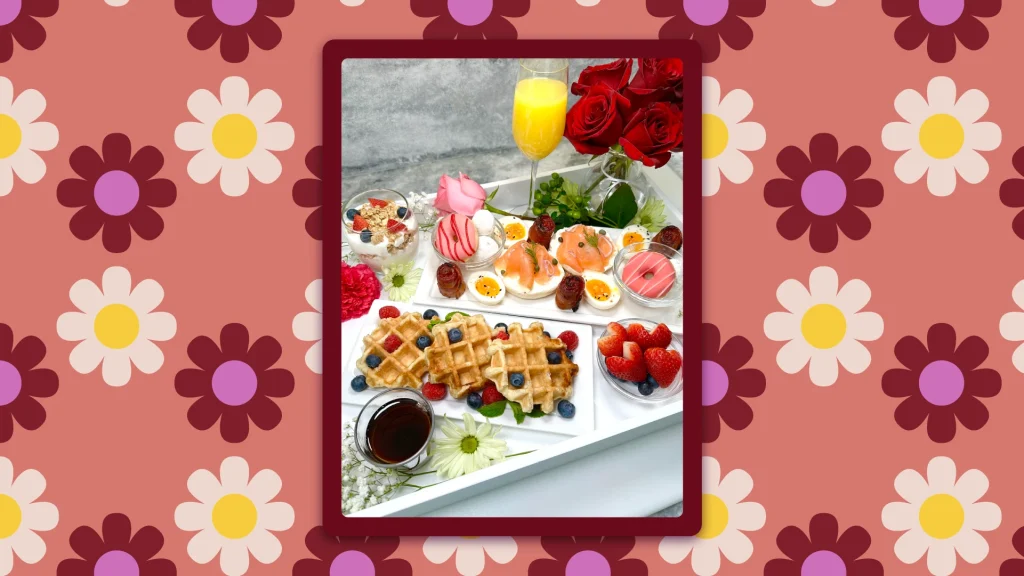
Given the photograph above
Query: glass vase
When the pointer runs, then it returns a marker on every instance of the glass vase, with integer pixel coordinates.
(610, 172)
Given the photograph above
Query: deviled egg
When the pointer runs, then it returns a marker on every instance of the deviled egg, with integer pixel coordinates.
(486, 287)
(632, 235)
(515, 229)
(600, 290)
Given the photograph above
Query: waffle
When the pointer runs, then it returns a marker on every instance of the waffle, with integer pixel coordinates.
(403, 368)
(460, 366)
(526, 352)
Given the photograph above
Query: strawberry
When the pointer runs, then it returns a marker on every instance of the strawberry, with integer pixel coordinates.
(359, 223)
(663, 365)
(389, 312)
(624, 369)
(394, 226)
(391, 343)
(435, 392)
(660, 337)
(378, 203)
(570, 339)
(500, 335)
(631, 351)
(611, 344)
(490, 394)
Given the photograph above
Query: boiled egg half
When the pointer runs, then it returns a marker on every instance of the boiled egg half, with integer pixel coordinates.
(515, 229)
(632, 235)
(600, 290)
(486, 287)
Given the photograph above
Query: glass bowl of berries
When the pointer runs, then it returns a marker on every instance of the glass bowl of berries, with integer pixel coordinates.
(641, 359)
(380, 228)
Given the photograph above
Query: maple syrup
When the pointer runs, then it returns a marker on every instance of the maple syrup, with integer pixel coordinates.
(398, 430)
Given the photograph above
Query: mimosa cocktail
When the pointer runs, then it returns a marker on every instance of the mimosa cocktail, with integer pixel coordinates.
(538, 116)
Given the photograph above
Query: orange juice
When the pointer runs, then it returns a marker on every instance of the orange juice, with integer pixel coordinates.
(538, 116)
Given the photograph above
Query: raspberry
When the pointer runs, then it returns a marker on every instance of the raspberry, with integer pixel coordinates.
(389, 312)
(500, 335)
(394, 226)
(391, 343)
(435, 392)
(359, 223)
(491, 394)
(378, 203)
(570, 339)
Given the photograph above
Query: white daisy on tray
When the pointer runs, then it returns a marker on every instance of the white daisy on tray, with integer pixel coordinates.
(234, 516)
(725, 517)
(470, 552)
(941, 516)
(941, 136)
(308, 326)
(234, 136)
(21, 516)
(401, 280)
(824, 326)
(116, 326)
(21, 136)
(726, 137)
(466, 450)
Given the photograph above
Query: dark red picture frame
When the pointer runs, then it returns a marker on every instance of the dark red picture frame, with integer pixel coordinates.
(335, 52)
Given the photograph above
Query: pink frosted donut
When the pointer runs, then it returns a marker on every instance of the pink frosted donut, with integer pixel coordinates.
(649, 274)
(456, 237)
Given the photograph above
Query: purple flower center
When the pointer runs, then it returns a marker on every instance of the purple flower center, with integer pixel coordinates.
(941, 12)
(715, 382)
(9, 10)
(234, 383)
(823, 193)
(116, 563)
(116, 193)
(10, 383)
(705, 12)
(234, 12)
(470, 12)
(941, 382)
(588, 563)
(823, 563)
(352, 563)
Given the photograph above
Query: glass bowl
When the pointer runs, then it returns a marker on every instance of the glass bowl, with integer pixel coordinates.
(379, 401)
(630, 389)
(497, 234)
(402, 248)
(674, 297)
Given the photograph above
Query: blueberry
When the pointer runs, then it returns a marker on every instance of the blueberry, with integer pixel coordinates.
(568, 354)
(516, 380)
(402, 211)
(646, 388)
(554, 358)
(352, 213)
(502, 325)
(651, 381)
(429, 313)
(455, 335)
(546, 334)
(475, 400)
(373, 361)
(366, 235)
(423, 341)
(359, 383)
(566, 409)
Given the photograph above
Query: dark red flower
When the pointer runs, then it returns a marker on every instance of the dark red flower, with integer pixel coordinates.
(941, 383)
(18, 22)
(1014, 566)
(614, 75)
(470, 19)
(824, 192)
(234, 23)
(336, 556)
(600, 555)
(653, 133)
(21, 383)
(309, 193)
(823, 551)
(657, 80)
(709, 22)
(234, 383)
(117, 551)
(942, 23)
(595, 121)
(117, 193)
(726, 383)
(1011, 193)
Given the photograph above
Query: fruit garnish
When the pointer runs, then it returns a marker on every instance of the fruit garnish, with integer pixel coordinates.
(500, 335)
(394, 226)
(663, 365)
(389, 312)
(391, 343)
(434, 391)
(359, 223)
(625, 369)
(490, 394)
(378, 203)
(566, 409)
(611, 343)
(660, 337)
(570, 339)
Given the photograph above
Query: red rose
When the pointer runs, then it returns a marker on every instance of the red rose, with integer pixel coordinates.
(614, 75)
(653, 133)
(595, 121)
(657, 80)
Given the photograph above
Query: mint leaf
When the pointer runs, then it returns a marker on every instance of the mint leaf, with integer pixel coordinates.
(493, 410)
(517, 412)
(453, 313)
(537, 412)
(620, 207)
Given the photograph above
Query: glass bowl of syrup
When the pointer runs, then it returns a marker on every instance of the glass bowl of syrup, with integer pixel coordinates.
(394, 428)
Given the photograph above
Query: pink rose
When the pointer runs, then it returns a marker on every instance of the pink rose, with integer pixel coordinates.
(462, 196)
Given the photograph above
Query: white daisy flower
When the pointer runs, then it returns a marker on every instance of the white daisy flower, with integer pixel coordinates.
(116, 326)
(941, 516)
(463, 451)
(308, 326)
(726, 137)
(941, 136)
(1011, 326)
(588, 3)
(234, 136)
(234, 516)
(352, 2)
(470, 551)
(21, 136)
(21, 516)
(116, 2)
(823, 326)
(725, 518)
(823, 2)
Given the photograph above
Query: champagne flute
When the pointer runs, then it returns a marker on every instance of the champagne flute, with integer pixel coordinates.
(538, 111)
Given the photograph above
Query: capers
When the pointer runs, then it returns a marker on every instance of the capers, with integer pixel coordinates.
(601, 232)
(581, 244)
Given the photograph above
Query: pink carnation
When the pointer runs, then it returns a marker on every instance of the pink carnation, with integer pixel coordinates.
(359, 288)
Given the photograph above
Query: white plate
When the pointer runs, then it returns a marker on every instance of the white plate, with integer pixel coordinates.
(582, 390)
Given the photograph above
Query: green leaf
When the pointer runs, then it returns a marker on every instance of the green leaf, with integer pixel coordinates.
(620, 207)
(537, 412)
(493, 194)
(453, 313)
(493, 410)
(517, 412)
(651, 215)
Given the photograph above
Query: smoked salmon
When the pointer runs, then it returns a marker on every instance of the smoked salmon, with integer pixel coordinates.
(582, 248)
(526, 264)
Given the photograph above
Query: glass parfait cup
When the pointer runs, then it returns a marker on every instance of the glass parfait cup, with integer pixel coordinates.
(379, 247)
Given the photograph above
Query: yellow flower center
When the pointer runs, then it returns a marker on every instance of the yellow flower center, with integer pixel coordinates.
(599, 290)
(487, 287)
(941, 516)
(10, 136)
(234, 516)
(631, 238)
(116, 326)
(515, 231)
(234, 136)
(10, 516)
(823, 326)
(941, 136)
(715, 517)
(716, 136)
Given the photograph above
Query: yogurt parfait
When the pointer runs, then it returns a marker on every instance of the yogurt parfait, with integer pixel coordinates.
(380, 228)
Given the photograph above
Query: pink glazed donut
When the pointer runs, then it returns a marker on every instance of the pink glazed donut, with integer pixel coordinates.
(649, 274)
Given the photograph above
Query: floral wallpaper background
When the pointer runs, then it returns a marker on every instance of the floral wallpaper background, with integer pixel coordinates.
(160, 224)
